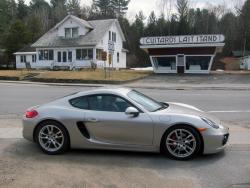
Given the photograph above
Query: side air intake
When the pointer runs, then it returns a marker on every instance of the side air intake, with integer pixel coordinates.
(82, 128)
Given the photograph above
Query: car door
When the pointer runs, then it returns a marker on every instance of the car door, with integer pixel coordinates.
(107, 122)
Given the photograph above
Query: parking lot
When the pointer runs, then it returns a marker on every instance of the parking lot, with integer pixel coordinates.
(22, 164)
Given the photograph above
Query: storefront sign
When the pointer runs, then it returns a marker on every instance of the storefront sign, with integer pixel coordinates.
(187, 39)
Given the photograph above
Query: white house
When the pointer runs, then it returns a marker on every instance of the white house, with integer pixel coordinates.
(75, 43)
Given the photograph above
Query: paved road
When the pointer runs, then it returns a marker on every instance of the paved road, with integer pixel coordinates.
(227, 105)
(23, 165)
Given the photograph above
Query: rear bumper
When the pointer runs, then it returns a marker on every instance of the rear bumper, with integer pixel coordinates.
(28, 129)
(215, 140)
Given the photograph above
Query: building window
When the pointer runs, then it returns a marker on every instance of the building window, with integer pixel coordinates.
(113, 36)
(64, 57)
(168, 62)
(75, 32)
(23, 58)
(33, 58)
(46, 54)
(84, 54)
(69, 56)
(98, 54)
(71, 32)
(59, 57)
(67, 32)
(118, 57)
(197, 63)
(109, 35)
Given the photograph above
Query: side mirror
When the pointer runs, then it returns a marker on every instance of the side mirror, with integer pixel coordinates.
(132, 111)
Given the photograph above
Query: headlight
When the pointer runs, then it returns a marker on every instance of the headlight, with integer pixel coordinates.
(209, 122)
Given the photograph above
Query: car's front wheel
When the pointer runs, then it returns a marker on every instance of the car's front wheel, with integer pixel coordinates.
(181, 142)
(52, 137)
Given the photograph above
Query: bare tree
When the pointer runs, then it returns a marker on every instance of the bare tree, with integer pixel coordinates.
(238, 4)
(167, 8)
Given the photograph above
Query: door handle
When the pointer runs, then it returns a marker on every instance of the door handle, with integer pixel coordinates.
(92, 120)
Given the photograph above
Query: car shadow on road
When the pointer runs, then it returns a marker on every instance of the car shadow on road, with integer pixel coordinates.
(26, 151)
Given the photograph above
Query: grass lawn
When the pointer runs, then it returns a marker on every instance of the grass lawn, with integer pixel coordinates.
(121, 75)
(13, 73)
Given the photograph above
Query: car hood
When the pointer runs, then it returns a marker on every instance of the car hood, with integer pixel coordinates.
(185, 109)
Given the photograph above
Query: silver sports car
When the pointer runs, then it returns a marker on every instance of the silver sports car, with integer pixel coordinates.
(123, 119)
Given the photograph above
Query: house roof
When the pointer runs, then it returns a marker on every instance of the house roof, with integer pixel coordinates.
(79, 20)
(92, 38)
(27, 48)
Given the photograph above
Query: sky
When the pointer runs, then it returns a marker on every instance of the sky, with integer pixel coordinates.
(147, 6)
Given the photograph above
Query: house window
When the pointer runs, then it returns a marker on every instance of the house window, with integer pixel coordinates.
(23, 58)
(99, 54)
(71, 32)
(59, 59)
(70, 56)
(46, 54)
(197, 62)
(84, 54)
(67, 32)
(33, 58)
(64, 57)
(113, 36)
(75, 32)
(118, 57)
(109, 35)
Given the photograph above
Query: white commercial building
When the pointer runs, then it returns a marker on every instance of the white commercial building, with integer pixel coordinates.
(75, 43)
(183, 54)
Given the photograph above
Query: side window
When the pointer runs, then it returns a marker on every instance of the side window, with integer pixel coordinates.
(108, 103)
(80, 102)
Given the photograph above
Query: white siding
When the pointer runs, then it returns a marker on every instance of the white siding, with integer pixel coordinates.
(118, 48)
(70, 23)
(20, 65)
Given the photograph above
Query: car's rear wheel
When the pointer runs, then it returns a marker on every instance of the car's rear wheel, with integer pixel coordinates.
(52, 137)
(181, 142)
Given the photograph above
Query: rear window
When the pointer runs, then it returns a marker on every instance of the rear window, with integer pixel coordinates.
(80, 102)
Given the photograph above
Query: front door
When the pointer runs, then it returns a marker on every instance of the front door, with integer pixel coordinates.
(107, 122)
(64, 56)
(180, 64)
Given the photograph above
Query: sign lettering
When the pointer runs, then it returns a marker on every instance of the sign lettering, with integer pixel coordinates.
(186, 39)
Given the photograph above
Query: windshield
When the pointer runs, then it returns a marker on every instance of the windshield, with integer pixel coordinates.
(145, 101)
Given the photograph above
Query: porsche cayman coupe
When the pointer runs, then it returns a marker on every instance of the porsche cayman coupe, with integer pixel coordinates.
(123, 119)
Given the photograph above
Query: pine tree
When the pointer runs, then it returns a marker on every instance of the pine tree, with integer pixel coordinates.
(22, 9)
(59, 10)
(15, 39)
(120, 6)
(182, 8)
(73, 6)
(104, 8)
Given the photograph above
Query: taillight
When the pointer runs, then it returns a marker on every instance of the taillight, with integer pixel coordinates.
(31, 113)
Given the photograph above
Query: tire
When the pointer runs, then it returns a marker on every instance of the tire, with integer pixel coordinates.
(181, 142)
(52, 137)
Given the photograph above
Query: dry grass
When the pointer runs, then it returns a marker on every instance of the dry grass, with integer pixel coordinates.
(122, 75)
(13, 73)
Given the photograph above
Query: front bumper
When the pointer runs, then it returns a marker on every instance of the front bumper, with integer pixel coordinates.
(215, 140)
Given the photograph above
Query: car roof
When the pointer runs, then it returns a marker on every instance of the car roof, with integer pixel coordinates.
(107, 90)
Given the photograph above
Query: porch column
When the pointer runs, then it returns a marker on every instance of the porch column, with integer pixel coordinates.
(94, 54)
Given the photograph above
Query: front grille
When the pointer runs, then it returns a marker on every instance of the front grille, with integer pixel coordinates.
(225, 139)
